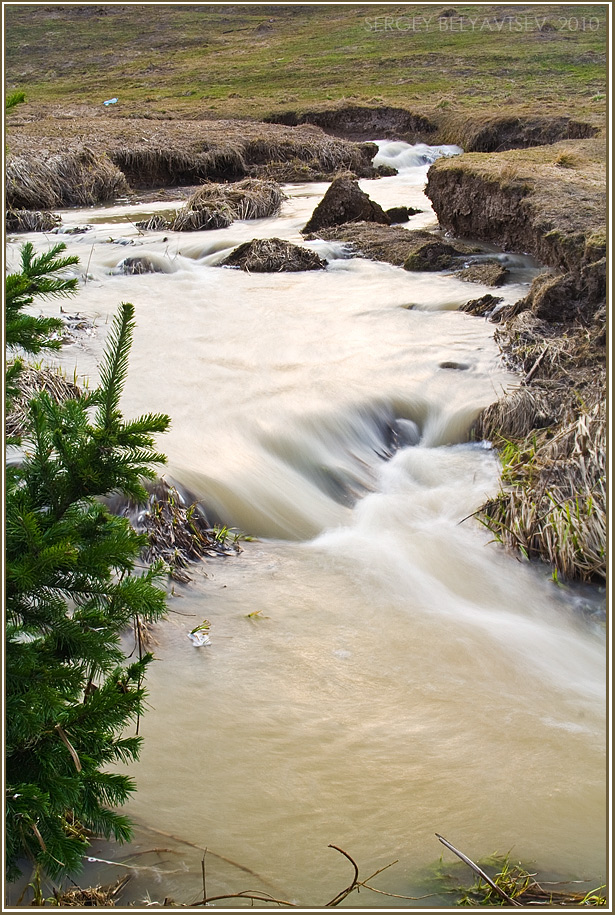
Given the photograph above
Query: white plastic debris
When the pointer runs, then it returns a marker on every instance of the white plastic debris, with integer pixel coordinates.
(199, 639)
(110, 101)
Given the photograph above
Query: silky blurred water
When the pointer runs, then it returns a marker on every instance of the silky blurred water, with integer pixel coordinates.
(378, 670)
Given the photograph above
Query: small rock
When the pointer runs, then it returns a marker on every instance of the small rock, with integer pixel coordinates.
(273, 255)
(482, 306)
(134, 266)
(431, 255)
(398, 215)
(487, 274)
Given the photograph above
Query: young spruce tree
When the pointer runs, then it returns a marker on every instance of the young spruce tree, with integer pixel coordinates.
(71, 592)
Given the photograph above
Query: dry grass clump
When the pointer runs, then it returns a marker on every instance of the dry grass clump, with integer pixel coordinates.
(543, 350)
(95, 896)
(516, 415)
(215, 206)
(553, 502)
(78, 178)
(31, 381)
(292, 171)
(189, 220)
(153, 224)
(273, 255)
(179, 533)
(320, 152)
(168, 166)
(31, 221)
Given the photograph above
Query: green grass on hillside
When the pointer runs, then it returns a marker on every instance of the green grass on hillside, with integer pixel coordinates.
(252, 60)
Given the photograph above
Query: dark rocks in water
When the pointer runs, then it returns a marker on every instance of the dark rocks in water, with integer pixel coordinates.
(482, 306)
(431, 254)
(487, 274)
(398, 215)
(404, 433)
(345, 202)
(273, 255)
(457, 366)
(135, 266)
(153, 224)
(392, 245)
(31, 221)
(385, 171)
(73, 230)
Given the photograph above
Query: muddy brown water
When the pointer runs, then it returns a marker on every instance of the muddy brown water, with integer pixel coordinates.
(378, 671)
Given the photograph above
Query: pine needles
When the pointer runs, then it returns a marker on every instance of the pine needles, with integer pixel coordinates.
(70, 593)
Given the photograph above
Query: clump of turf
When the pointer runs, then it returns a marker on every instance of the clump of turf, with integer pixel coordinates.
(273, 255)
(215, 206)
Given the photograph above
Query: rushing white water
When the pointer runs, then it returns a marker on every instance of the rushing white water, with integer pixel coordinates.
(379, 671)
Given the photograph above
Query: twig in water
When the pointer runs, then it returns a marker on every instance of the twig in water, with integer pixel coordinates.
(85, 279)
(477, 870)
(355, 881)
(245, 895)
(169, 835)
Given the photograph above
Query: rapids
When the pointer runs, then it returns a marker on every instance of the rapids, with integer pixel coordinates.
(379, 670)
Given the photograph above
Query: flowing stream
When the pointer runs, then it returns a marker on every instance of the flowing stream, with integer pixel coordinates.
(378, 671)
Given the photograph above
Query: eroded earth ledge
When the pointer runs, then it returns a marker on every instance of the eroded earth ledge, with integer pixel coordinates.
(548, 201)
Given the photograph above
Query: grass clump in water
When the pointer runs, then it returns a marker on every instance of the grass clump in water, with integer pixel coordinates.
(502, 882)
(552, 504)
(215, 206)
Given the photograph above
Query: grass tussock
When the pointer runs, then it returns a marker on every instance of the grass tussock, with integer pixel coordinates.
(180, 534)
(552, 504)
(294, 170)
(154, 165)
(31, 381)
(31, 221)
(513, 884)
(78, 178)
(97, 896)
(215, 206)
(273, 255)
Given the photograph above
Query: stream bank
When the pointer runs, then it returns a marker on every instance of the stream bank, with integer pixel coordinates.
(548, 201)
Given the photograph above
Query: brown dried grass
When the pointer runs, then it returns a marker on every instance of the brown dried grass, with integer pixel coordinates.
(31, 221)
(78, 178)
(31, 381)
(273, 255)
(552, 505)
(92, 896)
(214, 206)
